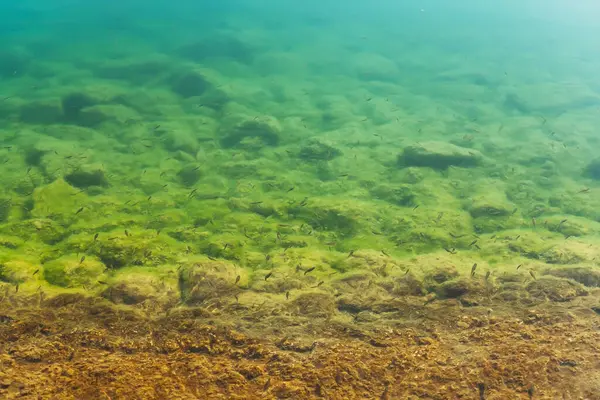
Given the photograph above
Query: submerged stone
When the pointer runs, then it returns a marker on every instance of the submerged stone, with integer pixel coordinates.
(267, 131)
(439, 155)
(189, 174)
(42, 112)
(190, 84)
(86, 176)
(588, 276)
(556, 289)
(593, 169)
(72, 272)
(317, 150)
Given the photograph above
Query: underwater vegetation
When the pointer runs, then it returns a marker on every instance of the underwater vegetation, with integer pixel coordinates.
(213, 219)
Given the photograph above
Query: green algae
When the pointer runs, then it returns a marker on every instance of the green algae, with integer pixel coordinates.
(190, 178)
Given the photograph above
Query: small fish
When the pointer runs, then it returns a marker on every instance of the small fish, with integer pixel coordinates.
(287, 295)
(519, 266)
(584, 190)
(102, 283)
(456, 236)
(530, 392)
(290, 189)
(36, 271)
(384, 253)
(533, 221)
(212, 258)
(82, 260)
(80, 210)
(514, 211)
(268, 275)
(309, 270)
(351, 253)
(126, 233)
(532, 275)
(96, 237)
(237, 279)
(256, 203)
(487, 275)
(319, 284)
(473, 242)
(473, 268)
(451, 251)
(481, 387)
(17, 287)
(415, 207)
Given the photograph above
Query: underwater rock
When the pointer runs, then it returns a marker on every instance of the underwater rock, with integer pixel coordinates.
(313, 304)
(13, 62)
(17, 271)
(136, 288)
(42, 112)
(54, 199)
(439, 155)
(5, 206)
(211, 280)
(70, 272)
(86, 176)
(134, 248)
(266, 130)
(104, 113)
(73, 103)
(458, 288)
(190, 84)
(180, 141)
(441, 274)
(400, 195)
(189, 174)
(218, 46)
(593, 169)
(491, 204)
(407, 285)
(317, 150)
(556, 289)
(587, 276)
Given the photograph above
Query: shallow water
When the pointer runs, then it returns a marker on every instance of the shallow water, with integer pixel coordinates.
(296, 173)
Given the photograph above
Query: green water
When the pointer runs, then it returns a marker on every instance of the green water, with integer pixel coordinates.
(273, 149)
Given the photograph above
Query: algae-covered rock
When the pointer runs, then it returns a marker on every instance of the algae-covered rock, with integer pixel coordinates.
(318, 150)
(265, 130)
(211, 280)
(17, 271)
(57, 198)
(190, 84)
(70, 272)
(139, 287)
(401, 195)
(490, 203)
(313, 304)
(42, 112)
(180, 141)
(407, 285)
(556, 289)
(127, 248)
(593, 169)
(441, 274)
(333, 215)
(86, 176)
(189, 174)
(587, 276)
(73, 103)
(439, 155)
(104, 113)
(459, 288)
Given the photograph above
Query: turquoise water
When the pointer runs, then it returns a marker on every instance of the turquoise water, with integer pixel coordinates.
(227, 154)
